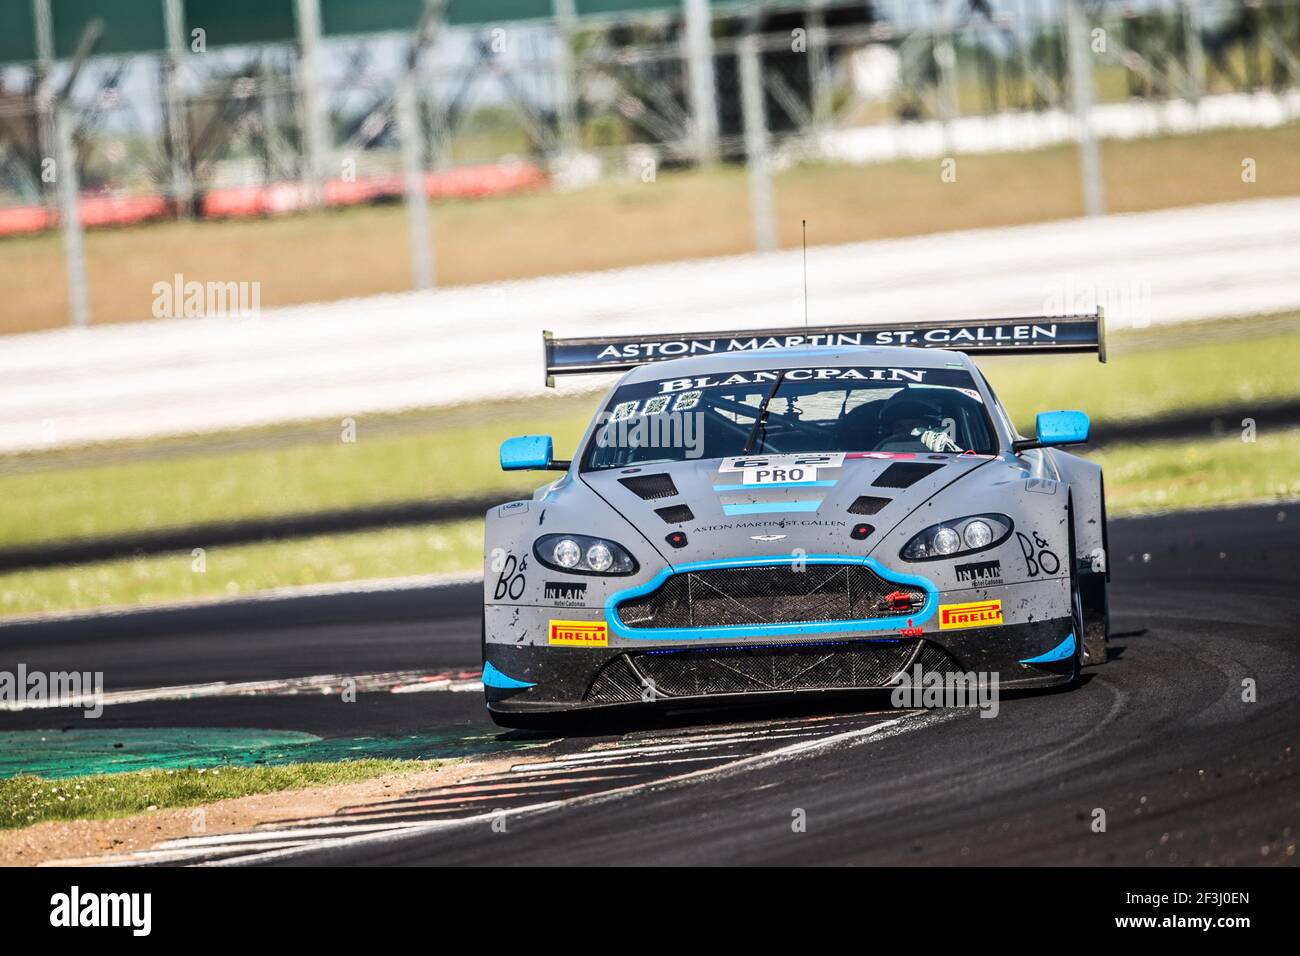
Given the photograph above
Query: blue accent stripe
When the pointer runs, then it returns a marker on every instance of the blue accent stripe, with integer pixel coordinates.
(803, 644)
(820, 483)
(494, 678)
(766, 507)
(770, 630)
(1061, 652)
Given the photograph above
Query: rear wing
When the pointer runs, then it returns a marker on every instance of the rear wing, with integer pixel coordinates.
(1031, 334)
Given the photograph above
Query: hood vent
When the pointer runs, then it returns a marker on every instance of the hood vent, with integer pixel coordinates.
(650, 487)
(904, 474)
(675, 514)
(867, 505)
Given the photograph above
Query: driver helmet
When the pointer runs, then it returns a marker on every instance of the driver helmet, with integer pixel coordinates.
(901, 415)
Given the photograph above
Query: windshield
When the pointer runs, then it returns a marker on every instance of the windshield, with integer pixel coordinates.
(783, 411)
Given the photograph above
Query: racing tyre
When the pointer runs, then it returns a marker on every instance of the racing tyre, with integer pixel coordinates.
(1096, 618)
(1094, 591)
(1076, 604)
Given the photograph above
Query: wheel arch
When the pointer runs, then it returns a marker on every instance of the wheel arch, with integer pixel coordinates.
(1087, 498)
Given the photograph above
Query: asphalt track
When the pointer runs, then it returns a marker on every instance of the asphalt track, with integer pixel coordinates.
(1159, 738)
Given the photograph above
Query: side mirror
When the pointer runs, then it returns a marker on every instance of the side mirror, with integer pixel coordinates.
(1057, 428)
(530, 453)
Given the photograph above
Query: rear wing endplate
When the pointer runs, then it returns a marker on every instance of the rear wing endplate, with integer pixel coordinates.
(1015, 336)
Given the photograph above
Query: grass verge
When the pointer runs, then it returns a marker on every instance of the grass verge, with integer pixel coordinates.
(1201, 474)
(453, 453)
(27, 800)
(229, 572)
(1165, 372)
(1139, 479)
(363, 251)
(426, 460)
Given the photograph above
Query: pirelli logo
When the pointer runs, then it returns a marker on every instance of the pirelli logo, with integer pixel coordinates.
(578, 634)
(974, 614)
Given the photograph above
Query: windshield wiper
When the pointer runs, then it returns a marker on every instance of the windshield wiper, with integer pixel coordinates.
(762, 413)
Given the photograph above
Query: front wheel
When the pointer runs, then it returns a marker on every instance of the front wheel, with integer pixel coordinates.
(1077, 618)
(1096, 617)
(1077, 622)
(1094, 589)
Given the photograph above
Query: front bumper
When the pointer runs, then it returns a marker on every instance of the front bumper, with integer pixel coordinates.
(546, 679)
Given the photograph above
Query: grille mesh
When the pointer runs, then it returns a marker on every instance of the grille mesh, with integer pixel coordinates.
(764, 595)
(904, 474)
(867, 505)
(617, 683)
(936, 659)
(675, 514)
(840, 665)
(650, 487)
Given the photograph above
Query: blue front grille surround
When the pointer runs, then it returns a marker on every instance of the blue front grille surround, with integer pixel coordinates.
(740, 631)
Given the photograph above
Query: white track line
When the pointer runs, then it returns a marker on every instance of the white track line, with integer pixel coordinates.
(411, 582)
(72, 386)
(397, 682)
(598, 769)
(308, 839)
(617, 758)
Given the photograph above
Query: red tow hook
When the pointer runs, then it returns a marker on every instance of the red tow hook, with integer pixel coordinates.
(898, 601)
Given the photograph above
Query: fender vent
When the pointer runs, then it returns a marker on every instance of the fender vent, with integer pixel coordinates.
(866, 505)
(650, 487)
(675, 514)
(904, 474)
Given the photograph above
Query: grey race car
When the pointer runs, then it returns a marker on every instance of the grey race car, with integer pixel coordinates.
(795, 512)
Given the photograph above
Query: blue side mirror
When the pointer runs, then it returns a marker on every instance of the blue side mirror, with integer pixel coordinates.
(1062, 428)
(527, 452)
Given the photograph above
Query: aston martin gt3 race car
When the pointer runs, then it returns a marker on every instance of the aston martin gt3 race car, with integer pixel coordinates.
(796, 511)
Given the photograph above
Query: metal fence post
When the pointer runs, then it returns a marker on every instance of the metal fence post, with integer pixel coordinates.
(566, 19)
(418, 223)
(182, 186)
(757, 144)
(45, 100)
(1081, 86)
(818, 64)
(65, 165)
(699, 63)
(74, 254)
(1195, 51)
(417, 202)
(945, 58)
(316, 134)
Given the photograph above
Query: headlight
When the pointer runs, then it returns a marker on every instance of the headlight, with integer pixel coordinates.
(946, 541)
(600, 558)
(582, 554)
(566, 553)
(953, 538)
(978, 535)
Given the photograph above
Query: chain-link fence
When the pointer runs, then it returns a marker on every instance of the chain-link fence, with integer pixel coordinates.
(568, 101)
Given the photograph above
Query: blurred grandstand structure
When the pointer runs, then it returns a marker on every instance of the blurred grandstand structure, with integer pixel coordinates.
(244, 108)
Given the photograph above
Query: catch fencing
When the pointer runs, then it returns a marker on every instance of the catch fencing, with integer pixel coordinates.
(127, 111)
